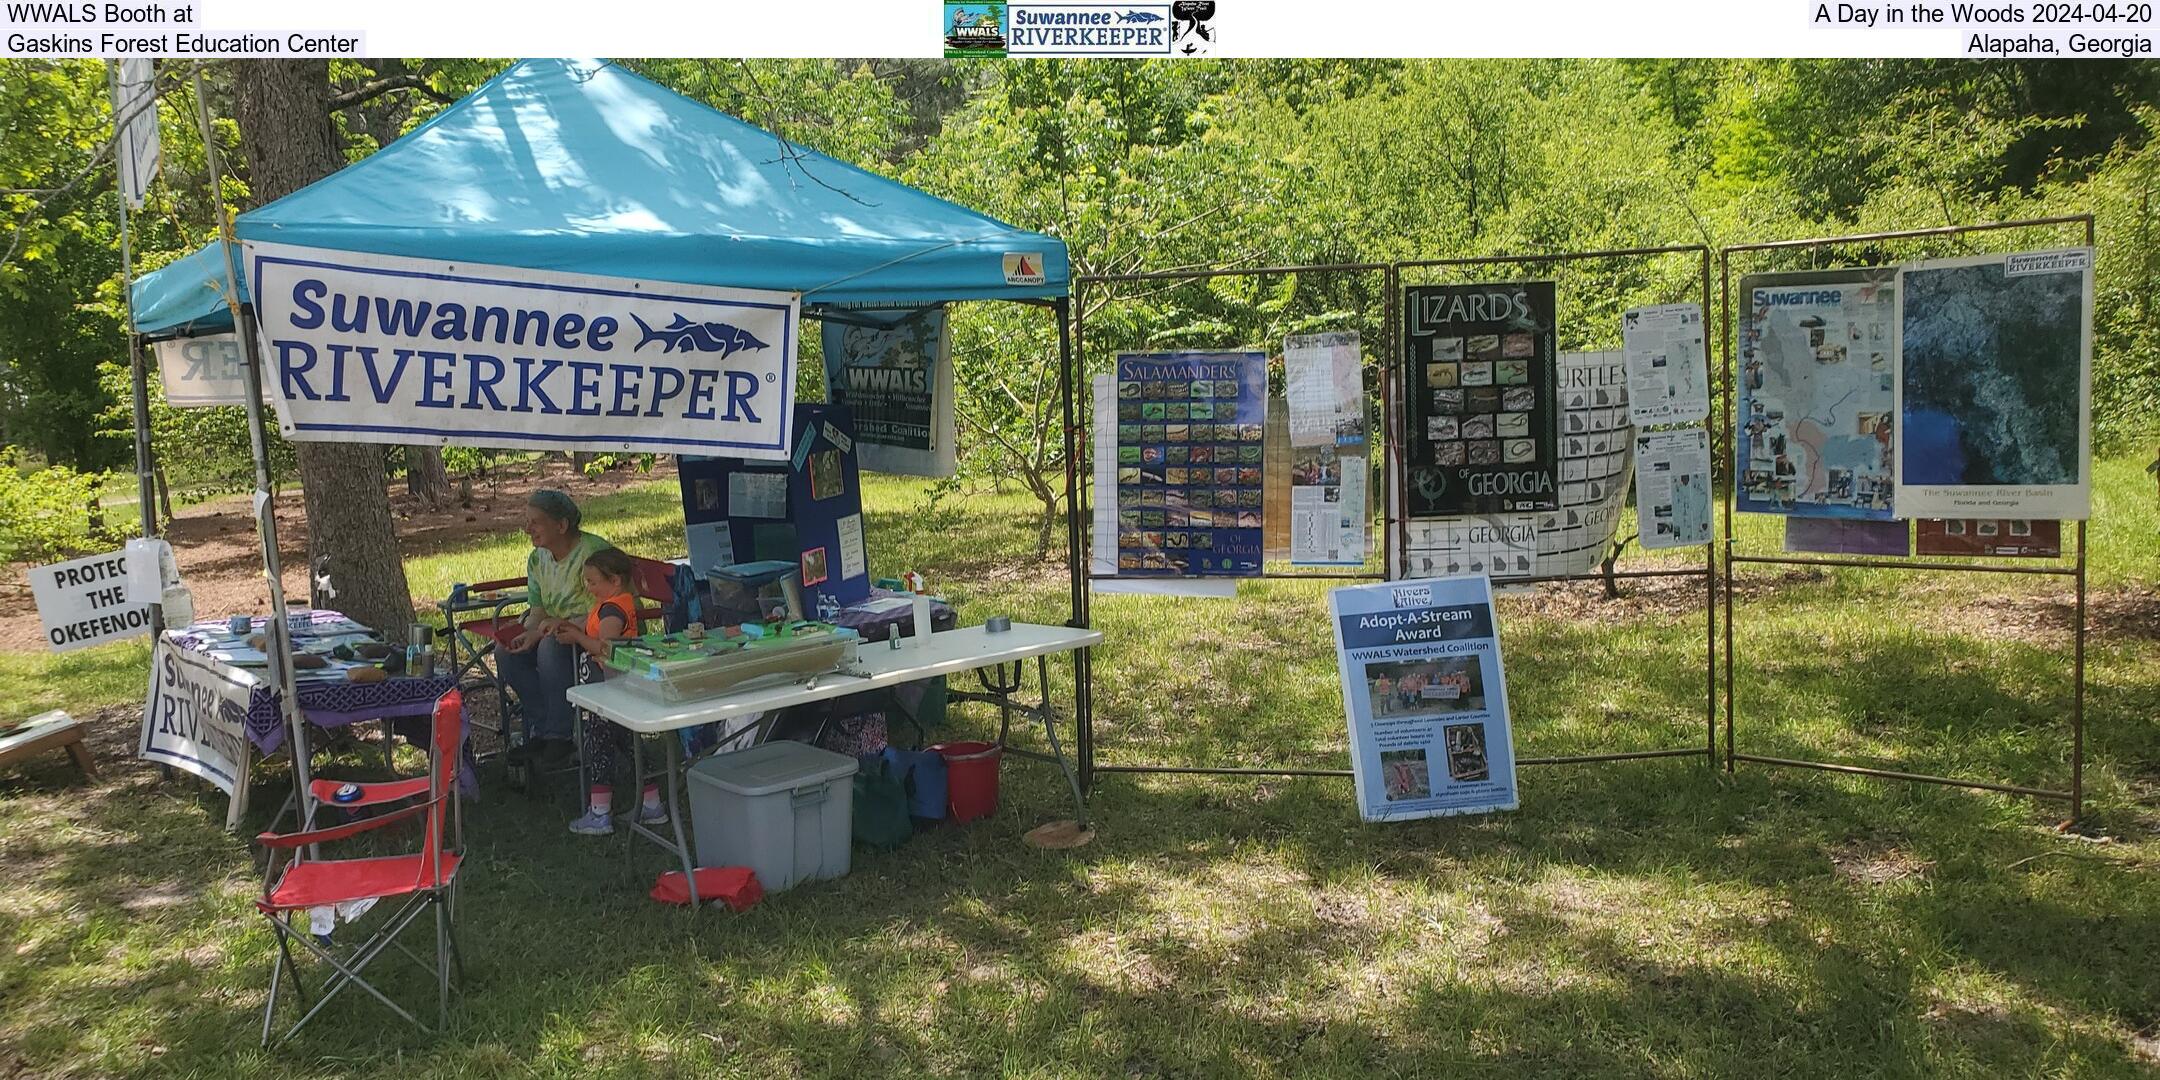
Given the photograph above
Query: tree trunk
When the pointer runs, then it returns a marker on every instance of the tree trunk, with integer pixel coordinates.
(579, 460)
(425, 477)
(291, 141)
(164, 492)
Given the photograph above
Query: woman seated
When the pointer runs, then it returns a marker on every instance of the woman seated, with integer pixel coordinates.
(539, 668)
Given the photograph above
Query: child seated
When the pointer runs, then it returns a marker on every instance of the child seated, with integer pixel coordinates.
(608, 574)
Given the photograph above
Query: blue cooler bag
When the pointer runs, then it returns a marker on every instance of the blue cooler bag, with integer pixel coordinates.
(923, 771)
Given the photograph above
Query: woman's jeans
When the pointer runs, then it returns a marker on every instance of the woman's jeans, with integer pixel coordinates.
(541, 679)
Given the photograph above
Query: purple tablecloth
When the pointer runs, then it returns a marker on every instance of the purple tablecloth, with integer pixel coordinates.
(326, 704)
(879, 625)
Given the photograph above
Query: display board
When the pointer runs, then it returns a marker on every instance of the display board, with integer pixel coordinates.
(1596, 463)
(1425, 696)
(1324, 377)
(806, 510)
(1816, 393)
(1994, 386)
(892, 368)
(1481, 415)
(1190, 463)
(2014, 538)
(1845, 536)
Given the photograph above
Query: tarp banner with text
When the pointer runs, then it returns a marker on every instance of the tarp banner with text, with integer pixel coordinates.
(377, 348)
(195, 718)
(200, 372)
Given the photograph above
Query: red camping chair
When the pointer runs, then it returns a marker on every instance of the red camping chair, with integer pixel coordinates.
(425, 880)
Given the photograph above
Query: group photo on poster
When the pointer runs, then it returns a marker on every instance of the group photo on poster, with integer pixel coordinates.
(1425, 697)
(1189, 463)
(1482, 426)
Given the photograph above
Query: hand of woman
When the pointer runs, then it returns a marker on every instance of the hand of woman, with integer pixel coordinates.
(526, 639)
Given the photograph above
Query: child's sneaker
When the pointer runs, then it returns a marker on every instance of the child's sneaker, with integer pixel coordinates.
(594, 823)
(652, 815)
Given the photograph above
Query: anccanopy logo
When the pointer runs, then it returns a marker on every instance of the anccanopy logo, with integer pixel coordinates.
(1024, 268)
(976, 29)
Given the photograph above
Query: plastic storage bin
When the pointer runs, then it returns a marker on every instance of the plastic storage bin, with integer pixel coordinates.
(782, 809)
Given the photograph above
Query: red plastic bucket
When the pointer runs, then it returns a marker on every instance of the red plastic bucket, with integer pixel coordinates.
(971, 778)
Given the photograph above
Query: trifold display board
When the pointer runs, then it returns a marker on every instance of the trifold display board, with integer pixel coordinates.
(806, 510)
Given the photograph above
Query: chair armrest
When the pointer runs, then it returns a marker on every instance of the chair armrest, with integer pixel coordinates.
(340, 832)
(491, 586)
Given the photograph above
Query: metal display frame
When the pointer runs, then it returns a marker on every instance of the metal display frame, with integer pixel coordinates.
(2073, 568)
(1395, 522)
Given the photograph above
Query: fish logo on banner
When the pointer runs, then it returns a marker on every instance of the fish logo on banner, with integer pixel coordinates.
(384, 349)
(692, 336)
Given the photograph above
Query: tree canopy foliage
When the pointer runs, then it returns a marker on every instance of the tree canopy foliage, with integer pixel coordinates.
(1160, 165)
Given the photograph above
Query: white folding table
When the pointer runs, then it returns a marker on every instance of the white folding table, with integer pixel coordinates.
(752, 711)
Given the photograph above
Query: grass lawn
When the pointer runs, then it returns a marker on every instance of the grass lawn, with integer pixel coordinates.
(1635, 919)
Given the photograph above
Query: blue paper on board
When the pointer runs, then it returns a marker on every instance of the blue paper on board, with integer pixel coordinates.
(1425, 696)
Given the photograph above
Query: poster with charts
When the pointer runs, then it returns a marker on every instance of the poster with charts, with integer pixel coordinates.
(1324, 375)
(1480, 406)
(1425, 696)
(1189, 463)
(1668, 369)
(1672, 488)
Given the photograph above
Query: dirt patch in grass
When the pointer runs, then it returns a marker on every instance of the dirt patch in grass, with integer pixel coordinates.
(1870, 863)
(1587, 602)
(221, 558)
(2125, 613)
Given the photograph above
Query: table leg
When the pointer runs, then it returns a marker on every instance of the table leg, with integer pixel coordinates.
(1049, 719)
(671, 775)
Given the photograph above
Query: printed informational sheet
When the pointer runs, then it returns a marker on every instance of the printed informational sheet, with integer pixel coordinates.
(758, 494)
(1667, 366)
(1817, 415)
(2014, 538)
(892, 368)
(1323, 377)
(712, 545)
(1597, 453)
(1836, 536)
(1672, 488)
(1481, 405)
(1326, 400)
(853, 562)
(1426, 698)
(1994, 386)
(1189, 463)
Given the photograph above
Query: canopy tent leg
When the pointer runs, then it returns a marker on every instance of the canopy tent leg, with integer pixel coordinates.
(277, 633)
(1075, 558)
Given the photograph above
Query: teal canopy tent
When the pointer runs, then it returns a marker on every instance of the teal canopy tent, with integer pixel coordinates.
(580, 165)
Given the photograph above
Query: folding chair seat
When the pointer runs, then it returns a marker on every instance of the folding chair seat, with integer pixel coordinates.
(425, 881)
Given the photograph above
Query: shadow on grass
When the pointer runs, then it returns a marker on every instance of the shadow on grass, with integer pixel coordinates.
(1634, 919)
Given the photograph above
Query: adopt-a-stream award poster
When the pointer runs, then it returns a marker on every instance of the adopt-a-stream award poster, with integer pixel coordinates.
(1189, 463)
(1426, 697)
(1482, 413)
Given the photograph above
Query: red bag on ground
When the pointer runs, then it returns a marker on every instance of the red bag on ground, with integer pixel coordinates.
(737, 886)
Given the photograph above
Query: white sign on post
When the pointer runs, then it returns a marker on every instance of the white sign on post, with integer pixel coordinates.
(195, 718)
(200, 372)
(85, 602)
(385, 349)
